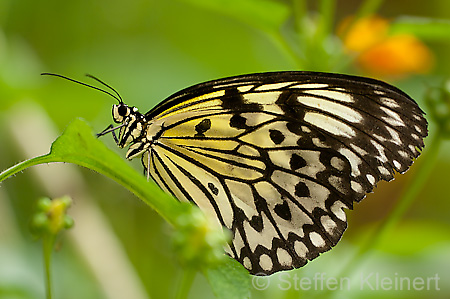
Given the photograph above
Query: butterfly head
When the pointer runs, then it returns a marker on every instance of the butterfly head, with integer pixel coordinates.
(121, 111)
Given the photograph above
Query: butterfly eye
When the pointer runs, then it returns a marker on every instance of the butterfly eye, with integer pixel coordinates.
(123, 110)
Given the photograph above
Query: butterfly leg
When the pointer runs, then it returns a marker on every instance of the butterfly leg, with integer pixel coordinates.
(148, 166)
(105, 131)
(110, 129)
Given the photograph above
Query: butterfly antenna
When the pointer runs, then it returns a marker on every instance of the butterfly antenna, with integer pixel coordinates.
(98, 80)
(118, 97)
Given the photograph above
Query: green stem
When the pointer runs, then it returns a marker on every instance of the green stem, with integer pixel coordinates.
(186, 282)
(300, 11)
(316, 46)
(287, 49)
(369, 7)
(326, 15)
(423, 171)
(47, 243)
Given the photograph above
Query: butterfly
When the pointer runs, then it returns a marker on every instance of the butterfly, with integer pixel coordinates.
(274, 157)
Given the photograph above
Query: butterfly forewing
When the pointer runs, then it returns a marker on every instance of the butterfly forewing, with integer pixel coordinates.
(276, 157)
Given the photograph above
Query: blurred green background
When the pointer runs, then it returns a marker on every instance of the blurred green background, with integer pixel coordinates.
(119, 247)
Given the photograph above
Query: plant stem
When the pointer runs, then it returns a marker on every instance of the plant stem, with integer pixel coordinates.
(368, 7)
(47, 243)
(423, 171)
(326, 15)
(300, 11)
(279, 40)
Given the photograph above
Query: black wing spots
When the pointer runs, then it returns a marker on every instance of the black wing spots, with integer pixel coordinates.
(204, 190)
(312, 250)
(254, 128)
(307, 135)
(256, 223)
(234, 100)
(302, 190)
(238, 218)
(297, 162)
(202, 127)
(238, 121)
(295, 127)
(316, 226)
(194, 117)
(276, 136)
(238, 227)
(318, 135)
(335, 176)
(277, 242)
(271, 253)
(315, 138)
(283, 211)
(334, 226)
(334, 164)
(213, 188)
(375, 147)
(288, 103)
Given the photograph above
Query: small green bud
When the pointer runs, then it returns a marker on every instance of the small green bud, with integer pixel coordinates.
(51, 217)
(68, 222)
(198, 240)
(44, 204)
(39, 224)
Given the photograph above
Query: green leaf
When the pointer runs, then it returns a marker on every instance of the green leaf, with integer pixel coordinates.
(263, 14)
(423, 28)
(79, 146)
(229, 280)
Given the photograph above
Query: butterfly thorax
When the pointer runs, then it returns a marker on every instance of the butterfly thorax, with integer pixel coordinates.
(132, 121)
(136, 131)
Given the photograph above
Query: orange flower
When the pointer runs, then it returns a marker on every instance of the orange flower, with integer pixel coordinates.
(364, 33)
(382, 54)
